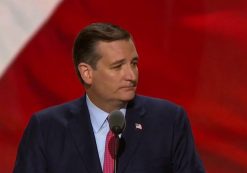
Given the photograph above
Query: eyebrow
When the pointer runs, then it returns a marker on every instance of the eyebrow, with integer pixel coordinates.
(118, 62)
(122, 60)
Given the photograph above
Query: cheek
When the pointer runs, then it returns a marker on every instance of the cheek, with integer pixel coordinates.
(136, 73)
(111, 76)
(106, 80)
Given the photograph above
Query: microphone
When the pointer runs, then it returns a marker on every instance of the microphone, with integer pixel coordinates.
(116, 122)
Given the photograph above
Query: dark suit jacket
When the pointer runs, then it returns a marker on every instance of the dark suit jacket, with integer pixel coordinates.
(60, 139)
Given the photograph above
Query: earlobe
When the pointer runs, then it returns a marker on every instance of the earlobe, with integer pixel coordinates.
(85, 72)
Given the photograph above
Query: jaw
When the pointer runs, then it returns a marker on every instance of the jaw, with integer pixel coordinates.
(112, 101)
(109, 104)
(127, 93)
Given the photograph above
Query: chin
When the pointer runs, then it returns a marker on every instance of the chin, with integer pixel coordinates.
(128, 96)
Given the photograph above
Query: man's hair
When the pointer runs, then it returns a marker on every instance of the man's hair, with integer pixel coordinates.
(84, 49)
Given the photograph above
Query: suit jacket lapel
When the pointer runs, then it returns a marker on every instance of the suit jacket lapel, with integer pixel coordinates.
(83, 135)
(131, 135)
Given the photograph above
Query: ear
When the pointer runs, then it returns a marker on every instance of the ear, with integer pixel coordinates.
(86, 72)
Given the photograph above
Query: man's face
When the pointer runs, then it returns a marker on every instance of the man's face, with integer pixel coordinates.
(116, 74)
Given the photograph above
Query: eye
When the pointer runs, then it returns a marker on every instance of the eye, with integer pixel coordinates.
(134, 63)
(117, 66)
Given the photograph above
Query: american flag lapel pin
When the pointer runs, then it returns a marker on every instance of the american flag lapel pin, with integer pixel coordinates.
(138, 126)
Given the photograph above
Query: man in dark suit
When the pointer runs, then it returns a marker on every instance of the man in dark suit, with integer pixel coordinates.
(70, 138)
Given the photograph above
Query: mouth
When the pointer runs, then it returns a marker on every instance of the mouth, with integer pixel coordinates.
(129, 87)
(132, 84)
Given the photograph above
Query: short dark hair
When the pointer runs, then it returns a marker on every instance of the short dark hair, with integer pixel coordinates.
(87, 39)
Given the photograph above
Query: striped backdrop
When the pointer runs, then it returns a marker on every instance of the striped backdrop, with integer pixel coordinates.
(193, 52)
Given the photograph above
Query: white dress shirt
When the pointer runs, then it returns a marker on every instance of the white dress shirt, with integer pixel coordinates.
(100, 125)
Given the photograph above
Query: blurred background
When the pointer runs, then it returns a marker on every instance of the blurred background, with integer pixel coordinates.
(192, 52)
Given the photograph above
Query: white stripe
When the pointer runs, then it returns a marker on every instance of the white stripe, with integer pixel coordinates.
(19, 20)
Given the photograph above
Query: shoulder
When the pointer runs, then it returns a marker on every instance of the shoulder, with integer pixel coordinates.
(162, 108)
(156, 103)
(62, 112)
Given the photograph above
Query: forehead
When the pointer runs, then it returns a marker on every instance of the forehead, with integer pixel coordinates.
(116, 50)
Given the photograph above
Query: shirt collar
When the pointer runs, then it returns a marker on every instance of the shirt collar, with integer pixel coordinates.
(98, 116)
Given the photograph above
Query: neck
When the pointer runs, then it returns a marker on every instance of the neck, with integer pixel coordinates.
(107, 105)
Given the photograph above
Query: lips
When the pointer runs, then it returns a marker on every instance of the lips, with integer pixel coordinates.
(132, 84)
(129, 87)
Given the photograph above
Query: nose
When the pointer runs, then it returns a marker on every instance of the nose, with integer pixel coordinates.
(131, 73)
